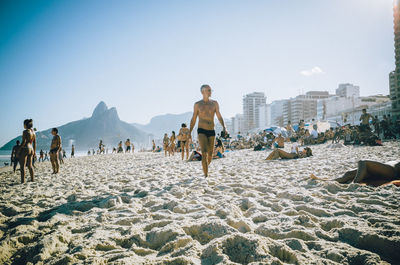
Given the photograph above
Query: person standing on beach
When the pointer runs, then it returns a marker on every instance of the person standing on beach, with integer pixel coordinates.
(101, 147)
(166, 143)
(154, 146)
(205, 109)
(14, 157)
(184, 136)
(27, 150)
(364, 118)
(73, 151)
(41, 155)
(127, 146)
(61, 157)
(55, 148)
(172, 143)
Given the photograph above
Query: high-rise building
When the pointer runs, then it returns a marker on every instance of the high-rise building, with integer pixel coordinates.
(348, 91)
(276, 110)
(303, 107)
(395, 76)
(238, 124)
(263, 121)
(251, 111)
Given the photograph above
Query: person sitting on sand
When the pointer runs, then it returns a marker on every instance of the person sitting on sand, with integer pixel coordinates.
(279, 141)
(278, 153)
(158, 149)
(54, 150)
(219, 150)
(166, 143)
(195, 156)
(14, 157)
(371, 173)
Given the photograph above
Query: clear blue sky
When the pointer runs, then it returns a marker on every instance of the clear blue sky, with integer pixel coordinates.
(58, 59)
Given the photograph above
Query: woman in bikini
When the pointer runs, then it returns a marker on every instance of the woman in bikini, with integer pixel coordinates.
(278, 153)
(27, 150)
(171, 148)
(184, 134)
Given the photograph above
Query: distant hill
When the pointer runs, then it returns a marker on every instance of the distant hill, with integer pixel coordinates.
(165, 124)
(86, 133)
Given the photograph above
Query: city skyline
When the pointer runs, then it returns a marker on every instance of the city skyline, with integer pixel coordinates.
(148, 60)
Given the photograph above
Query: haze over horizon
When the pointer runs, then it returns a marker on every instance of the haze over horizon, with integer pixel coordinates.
(59, 59)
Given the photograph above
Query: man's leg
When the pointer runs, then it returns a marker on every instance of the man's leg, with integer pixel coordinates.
(210, 148)
(53, 165)
(187, 150)
(29, 164)
(22, 163)
(15, 164)
(273, 155)
(203, 141)
(56, 162)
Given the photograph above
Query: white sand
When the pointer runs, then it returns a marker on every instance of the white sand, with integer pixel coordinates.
(146, 209)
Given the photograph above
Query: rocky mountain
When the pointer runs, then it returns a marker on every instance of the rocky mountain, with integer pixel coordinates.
(103, 124)
(165, 124)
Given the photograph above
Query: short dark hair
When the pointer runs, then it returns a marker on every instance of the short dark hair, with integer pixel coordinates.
(364, 109)
(28, 123)
(18, 141)
(54, 130)
(203, 86)
(183, 125)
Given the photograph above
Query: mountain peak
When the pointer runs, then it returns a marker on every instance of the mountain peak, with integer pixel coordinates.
(113, 114)
(100, 109)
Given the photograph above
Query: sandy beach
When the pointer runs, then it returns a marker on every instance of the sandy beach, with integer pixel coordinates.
(147, 209)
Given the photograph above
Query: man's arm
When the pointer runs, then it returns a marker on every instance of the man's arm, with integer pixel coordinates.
(194, 118)
(219, 116)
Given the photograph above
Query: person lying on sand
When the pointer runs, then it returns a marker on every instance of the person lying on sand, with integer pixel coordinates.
(370, 173)
(278, 153)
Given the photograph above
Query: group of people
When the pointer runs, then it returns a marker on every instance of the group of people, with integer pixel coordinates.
(176, 143)
(210, 148)
(24, 153)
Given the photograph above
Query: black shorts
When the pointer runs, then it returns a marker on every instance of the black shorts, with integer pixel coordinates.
(208, 133)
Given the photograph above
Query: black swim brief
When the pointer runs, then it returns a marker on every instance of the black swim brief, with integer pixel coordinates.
(208, 133)
(53, 151)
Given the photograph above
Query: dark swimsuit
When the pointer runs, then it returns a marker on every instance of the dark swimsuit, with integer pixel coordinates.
(208, 133)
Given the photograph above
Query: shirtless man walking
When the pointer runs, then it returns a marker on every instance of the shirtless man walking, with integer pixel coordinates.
(205, 109)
